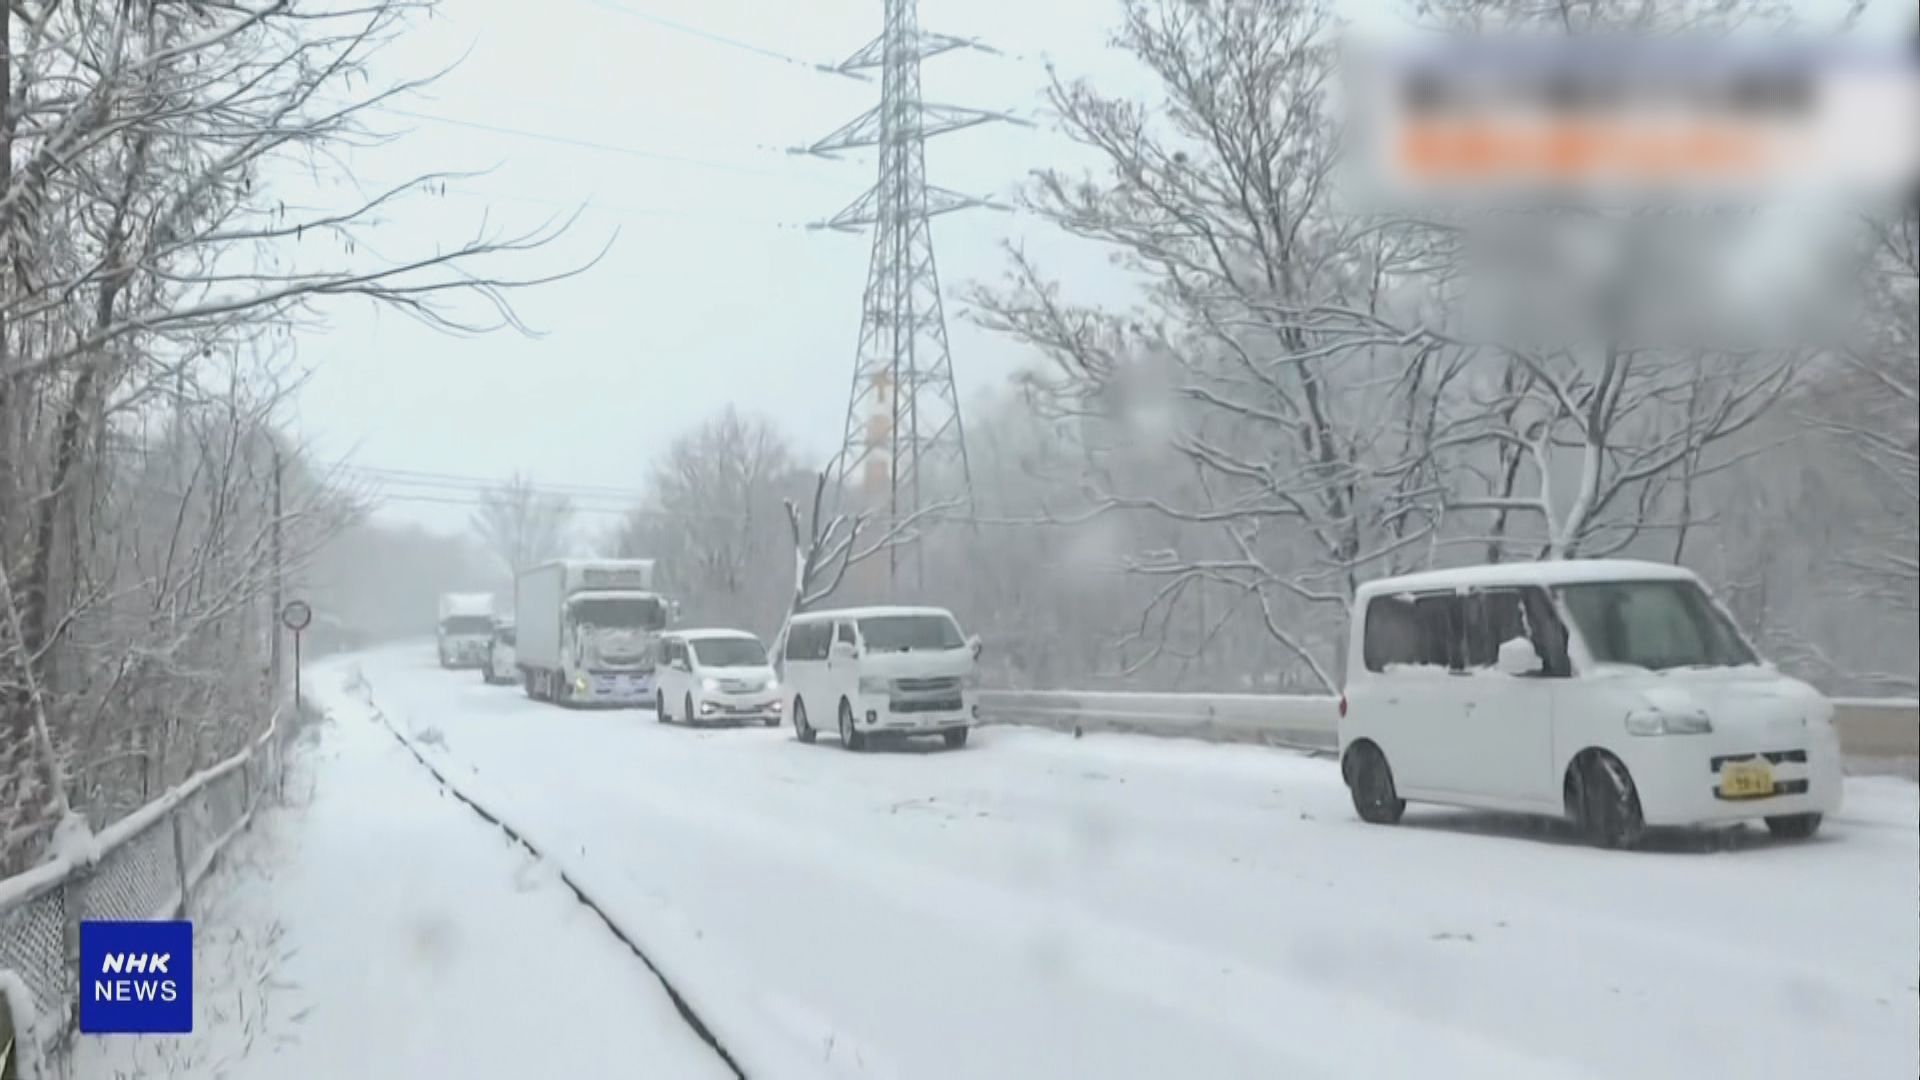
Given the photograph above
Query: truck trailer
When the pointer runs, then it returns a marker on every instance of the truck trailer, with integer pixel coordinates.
(465, 628)
(586, 630)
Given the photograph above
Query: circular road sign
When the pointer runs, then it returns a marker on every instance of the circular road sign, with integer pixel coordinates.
(296, 615)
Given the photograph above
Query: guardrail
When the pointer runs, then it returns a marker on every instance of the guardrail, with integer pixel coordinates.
(1878, 727)
(143, 866)
(1870, 728)
(1301, 722)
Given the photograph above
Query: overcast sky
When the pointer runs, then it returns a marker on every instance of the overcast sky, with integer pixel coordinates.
(713, 290)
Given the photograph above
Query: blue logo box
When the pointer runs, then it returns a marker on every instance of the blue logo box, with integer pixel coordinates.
(136, 978)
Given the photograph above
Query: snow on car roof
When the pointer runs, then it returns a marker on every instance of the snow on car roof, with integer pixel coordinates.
(715, 634)
(581, 561)
(877, 612)
(1551, 572)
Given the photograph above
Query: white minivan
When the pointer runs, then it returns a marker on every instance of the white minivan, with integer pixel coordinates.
(1617, 693)
(713, 676)
(879, 671)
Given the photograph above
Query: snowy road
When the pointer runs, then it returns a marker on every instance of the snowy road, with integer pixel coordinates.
(375, 928)
(1041, 906)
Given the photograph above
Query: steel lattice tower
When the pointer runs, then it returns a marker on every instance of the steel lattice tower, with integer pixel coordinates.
(903, 414)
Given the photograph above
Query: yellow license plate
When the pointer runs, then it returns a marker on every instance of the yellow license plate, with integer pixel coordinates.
(1746, 779)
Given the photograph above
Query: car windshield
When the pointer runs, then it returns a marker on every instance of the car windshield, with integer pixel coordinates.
(910, 633)
(729, 652)
(624, 612)
(466, 624)
(1654, 624)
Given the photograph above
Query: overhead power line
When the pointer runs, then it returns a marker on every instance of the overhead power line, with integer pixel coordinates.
(480, 483)
(606, 147)
(722, 39)
(455, 490)
(594, 205)
(475, 502)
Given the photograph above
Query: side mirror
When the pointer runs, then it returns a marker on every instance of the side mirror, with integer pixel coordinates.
(843, 650)
(1517, 657)
(974, 645)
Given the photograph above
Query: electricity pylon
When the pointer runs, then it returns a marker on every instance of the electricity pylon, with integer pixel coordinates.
(903, 414)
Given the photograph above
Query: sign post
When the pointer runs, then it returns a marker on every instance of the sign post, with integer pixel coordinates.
(296, 616)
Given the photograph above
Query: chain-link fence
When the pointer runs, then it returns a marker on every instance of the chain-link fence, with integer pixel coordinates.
(144, 866)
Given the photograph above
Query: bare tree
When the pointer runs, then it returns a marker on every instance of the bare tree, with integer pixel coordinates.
(714, 518)
(1269, 397)
(521, 525)
(826, 546)
(1630, 432)
(1869, 402)
(1300, 394)
(148, 267)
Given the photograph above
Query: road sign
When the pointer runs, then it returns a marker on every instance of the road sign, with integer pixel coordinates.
(296, 616)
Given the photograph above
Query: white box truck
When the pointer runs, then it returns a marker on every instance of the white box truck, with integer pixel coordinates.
(466, 626)
(586, 630)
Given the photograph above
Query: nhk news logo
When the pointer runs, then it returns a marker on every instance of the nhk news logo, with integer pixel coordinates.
(136, 978)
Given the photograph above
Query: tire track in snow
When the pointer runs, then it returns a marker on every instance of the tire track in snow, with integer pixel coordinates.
(680, 1003)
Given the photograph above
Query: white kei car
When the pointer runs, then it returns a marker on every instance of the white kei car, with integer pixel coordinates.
(1617, 693)
(714, 676)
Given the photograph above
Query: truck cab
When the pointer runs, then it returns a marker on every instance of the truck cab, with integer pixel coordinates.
(588, 630)
(465, 629)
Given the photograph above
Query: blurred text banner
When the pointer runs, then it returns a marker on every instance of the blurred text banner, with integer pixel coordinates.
(1623, 123)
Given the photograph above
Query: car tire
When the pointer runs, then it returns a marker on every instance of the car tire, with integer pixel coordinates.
(660, 706)
(1794, 826)
(1606, 805)
(1370, 781)
(687, 710)
(526, 683)
(801, 729)
(955, 737)
(850, 739)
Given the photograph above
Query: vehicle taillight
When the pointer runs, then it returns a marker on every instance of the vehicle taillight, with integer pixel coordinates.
(1343, 706)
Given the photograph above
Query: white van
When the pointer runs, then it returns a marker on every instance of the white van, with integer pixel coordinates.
(879, 670)
(715, 675)
(1617, 693)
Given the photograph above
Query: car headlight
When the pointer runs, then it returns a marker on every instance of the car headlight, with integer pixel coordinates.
(1664, 722)
(709, 685)
(871, 685)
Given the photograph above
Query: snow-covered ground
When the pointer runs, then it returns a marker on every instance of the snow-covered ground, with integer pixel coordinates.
(377, 928)
(1043, 906)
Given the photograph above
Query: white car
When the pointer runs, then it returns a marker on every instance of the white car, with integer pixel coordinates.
(1617, 693)
(501, 667)
(879, 670)
(705, 676)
